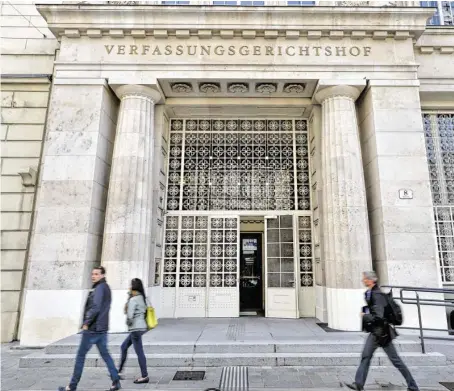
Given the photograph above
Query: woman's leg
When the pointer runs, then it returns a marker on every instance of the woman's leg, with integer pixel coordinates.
(124, 351)
(136, 337)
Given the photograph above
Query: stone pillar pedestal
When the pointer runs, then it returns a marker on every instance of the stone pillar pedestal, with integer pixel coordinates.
(127, 233)
(346, 240)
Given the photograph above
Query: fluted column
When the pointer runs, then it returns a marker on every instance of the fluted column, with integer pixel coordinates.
(346, 240)
(127, 231)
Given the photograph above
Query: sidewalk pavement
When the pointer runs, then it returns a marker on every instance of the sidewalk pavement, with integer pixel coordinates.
(14, 378)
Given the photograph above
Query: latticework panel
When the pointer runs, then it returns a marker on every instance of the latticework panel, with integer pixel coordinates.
(439, 135)
(238, 165)
(305, 251)
(200, 249)
(193, 253)
(224, 252)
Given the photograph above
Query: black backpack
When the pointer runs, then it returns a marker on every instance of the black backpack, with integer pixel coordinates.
(393, 313)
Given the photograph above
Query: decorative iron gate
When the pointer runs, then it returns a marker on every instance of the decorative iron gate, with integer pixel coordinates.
(219, 169)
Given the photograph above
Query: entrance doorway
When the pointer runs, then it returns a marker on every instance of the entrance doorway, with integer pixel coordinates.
(251, 281)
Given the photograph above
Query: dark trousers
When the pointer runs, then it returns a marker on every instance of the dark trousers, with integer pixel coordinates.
(88, 340)
(369, 349)
(134, 338)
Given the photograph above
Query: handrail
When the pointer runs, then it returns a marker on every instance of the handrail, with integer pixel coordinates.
(419, 302)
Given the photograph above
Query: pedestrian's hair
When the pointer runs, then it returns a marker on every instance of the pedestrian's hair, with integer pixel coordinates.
(101, 269)
(136, 285)
(371, 275)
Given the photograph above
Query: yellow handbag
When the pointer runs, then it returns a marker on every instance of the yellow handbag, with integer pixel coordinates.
(152, 320)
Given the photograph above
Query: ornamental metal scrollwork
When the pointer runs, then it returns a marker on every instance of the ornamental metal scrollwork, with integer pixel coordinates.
(439, 137)
(238, 164)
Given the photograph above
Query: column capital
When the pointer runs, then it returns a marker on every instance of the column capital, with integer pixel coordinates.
(125, 90)
(349, 89)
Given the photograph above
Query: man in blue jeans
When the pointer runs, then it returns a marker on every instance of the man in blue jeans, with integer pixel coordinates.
(94, 330)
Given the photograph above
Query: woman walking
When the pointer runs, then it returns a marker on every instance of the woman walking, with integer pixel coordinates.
(135, 310)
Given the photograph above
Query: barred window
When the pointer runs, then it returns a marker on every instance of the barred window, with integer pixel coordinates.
(238, 165)
(439, 136)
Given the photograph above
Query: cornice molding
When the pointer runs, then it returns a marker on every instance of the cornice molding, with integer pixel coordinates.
(98, 20)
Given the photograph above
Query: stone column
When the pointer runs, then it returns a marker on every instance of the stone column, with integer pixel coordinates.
(346, 240)
(127, 232)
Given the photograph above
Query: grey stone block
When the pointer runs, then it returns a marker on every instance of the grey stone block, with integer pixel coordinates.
(416, 359)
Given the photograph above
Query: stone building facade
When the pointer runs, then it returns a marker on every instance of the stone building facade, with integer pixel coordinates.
(239, 159)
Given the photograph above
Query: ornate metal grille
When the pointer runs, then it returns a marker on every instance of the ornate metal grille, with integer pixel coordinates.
(192, 243)
(238, 165)
(439, 135)
(224, 252)
(305, 251)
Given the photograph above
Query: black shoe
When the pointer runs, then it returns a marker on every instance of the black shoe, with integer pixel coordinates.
(354, 386)
(115, 386)
(142, 380)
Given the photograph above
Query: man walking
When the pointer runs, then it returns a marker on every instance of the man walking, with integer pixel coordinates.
(94, 330)
(381, 334)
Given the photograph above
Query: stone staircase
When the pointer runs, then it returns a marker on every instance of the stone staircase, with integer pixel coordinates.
(329, 350)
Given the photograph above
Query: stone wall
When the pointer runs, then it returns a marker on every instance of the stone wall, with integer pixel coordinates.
(28, 51)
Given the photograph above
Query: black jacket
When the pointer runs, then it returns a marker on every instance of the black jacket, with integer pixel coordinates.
(97, 307)
(375, 321)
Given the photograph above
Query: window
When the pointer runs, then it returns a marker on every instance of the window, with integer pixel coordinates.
(252, 3)
(443, 16)
(224, 2)
(176, 2)
(301, 3)
(238, 164)
(439, 135)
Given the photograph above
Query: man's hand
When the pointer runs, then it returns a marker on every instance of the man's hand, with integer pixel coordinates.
(362, 314)
(85, 327)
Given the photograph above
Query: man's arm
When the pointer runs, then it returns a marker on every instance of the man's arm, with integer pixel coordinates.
(93, 312)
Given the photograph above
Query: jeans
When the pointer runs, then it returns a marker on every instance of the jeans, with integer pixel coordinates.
(88, 340)
(134, 338)
(369, 349)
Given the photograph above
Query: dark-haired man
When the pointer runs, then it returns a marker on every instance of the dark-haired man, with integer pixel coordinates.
(381, 334)
(94, 330)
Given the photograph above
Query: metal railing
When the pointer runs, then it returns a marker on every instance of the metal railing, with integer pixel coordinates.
(418, 301)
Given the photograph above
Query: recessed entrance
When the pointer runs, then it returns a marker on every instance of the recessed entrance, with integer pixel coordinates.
(251, 278)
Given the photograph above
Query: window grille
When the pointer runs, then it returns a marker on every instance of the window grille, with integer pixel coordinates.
(246, 164)
(439, 136)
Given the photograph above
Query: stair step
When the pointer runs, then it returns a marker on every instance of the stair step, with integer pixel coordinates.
(41, 359)
(240, 347)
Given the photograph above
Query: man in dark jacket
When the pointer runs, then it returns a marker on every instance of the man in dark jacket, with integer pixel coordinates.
(94, 330)
(381, 334)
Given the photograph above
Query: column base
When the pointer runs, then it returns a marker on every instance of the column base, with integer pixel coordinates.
(321, 312)
(60, 318)
(344, 308)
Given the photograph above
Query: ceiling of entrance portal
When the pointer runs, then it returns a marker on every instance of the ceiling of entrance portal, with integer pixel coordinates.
(238, 88)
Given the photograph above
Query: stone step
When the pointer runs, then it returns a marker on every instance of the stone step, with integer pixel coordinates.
(310, 346)
(41, 359)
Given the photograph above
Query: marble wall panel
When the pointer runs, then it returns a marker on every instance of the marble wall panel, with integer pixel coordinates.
(69, 223)
(402, 230)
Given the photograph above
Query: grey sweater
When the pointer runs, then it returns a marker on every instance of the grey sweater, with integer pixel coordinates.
(135, 314)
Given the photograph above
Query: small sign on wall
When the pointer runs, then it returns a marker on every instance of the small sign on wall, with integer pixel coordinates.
(406, 194)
